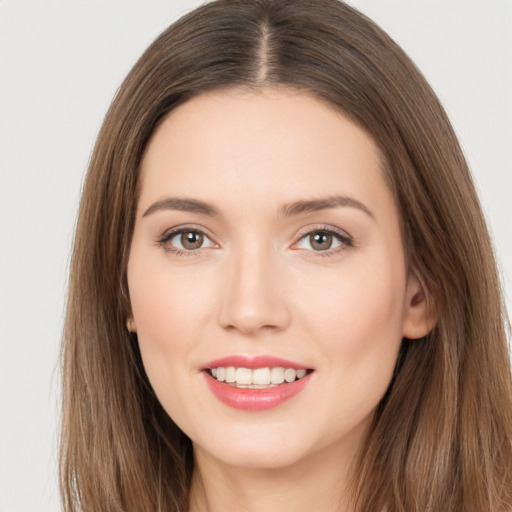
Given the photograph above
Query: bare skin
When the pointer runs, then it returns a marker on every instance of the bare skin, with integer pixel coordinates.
(265, 227)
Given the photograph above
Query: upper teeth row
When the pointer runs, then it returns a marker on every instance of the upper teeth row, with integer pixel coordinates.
(258, 376)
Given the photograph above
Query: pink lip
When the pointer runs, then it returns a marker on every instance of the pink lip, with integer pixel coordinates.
(254, 362)
(254, 399)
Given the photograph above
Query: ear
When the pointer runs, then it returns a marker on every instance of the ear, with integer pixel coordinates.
(420, 315)
(130, 324)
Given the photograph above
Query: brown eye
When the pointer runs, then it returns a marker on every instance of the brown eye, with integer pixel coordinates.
(186, 242)
(324, 241)
(320, 241)
(191, 240)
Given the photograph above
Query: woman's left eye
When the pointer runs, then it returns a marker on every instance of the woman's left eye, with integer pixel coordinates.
(323, 241)
(185, 240)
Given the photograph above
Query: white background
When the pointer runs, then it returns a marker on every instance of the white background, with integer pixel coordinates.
(60, 64)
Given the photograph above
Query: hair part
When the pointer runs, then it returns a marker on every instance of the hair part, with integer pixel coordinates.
(441, 438)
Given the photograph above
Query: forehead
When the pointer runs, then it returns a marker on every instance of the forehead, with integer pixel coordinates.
(270, 146)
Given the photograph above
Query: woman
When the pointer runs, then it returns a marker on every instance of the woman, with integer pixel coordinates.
(283, 293)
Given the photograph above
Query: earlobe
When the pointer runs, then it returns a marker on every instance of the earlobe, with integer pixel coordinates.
(130, 324)
(420, 314)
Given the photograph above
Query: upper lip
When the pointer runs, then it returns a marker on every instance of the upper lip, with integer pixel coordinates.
(263, 361)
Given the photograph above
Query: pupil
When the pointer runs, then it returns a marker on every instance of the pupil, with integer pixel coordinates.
(321, 241)
(191, 240)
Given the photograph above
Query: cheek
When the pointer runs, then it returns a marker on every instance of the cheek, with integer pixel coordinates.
(163, 310)
(165, 303)
(356, 325)
(358, 317)
(172, 309)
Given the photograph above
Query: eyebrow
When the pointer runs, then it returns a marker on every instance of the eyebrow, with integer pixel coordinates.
(184, 205)
(288, 210)
(324, 203)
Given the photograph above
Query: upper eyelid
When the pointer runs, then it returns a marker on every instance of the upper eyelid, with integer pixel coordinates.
(170, 232)
(323, 228)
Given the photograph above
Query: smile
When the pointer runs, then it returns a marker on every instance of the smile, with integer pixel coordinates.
(255, 383)
(257, 378)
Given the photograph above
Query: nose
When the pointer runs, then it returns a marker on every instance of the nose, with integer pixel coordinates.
(253, 294)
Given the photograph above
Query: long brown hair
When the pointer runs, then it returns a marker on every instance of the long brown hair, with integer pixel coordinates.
(441, 438)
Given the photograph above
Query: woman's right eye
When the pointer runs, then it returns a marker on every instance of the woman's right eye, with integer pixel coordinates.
(185, 241)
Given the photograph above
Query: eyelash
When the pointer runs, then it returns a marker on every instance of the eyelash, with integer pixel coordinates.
(169, 235)
(346, 241)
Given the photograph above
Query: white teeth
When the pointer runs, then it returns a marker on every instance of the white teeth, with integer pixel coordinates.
(259, 377)
(277, 375)
(244, 376)
(290, 374)
(230, 374)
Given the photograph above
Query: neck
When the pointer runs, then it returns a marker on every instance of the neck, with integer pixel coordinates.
(318, 482)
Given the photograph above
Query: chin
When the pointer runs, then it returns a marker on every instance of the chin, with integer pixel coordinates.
(257, 447)
(254, 457)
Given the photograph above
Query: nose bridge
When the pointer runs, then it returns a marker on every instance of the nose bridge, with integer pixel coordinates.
(252, 297)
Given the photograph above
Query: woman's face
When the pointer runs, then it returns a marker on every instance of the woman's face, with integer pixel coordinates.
(266, 239)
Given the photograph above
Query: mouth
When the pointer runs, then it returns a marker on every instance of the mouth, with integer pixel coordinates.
(255, 383)
(257, 378)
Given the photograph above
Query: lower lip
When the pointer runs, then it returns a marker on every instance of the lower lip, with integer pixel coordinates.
(255, 399)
